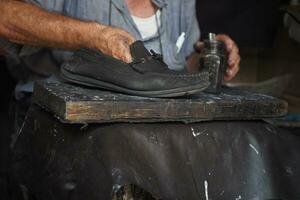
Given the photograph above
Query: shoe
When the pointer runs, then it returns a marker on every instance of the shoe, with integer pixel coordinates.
(146, 76)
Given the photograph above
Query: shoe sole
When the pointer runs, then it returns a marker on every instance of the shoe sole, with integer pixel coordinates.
(177, 92)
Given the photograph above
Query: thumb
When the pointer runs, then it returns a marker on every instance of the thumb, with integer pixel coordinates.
(198, 46)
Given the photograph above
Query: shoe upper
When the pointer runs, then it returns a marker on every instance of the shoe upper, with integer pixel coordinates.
(144, 61)
(146, 72)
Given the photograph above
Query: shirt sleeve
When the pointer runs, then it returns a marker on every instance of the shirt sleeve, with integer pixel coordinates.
(16, 49)
(192, 29)
(50, 5)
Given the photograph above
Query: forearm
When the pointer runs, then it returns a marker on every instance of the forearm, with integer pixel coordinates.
(24, 23)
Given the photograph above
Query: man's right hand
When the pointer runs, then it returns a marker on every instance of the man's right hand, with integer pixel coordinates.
(114, 42)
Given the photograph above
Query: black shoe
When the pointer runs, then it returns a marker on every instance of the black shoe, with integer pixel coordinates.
(146, 76)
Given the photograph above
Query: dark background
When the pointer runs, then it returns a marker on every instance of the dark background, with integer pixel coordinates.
(248, 22)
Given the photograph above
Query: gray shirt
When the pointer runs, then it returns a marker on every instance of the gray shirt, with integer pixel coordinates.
(177, 16)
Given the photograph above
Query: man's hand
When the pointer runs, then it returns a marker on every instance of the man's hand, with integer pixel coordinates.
(114, 42)
(234, 58)
(233, 55)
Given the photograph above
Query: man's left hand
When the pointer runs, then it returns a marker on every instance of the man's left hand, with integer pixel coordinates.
(234, 58)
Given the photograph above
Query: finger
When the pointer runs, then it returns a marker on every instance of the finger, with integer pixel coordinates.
(128, 58)
(125, 57)
(231, 72)
(227, 40)
(230, 75)
(233, 67)
(198, 46)
(232, 48)
(125, 54)
(130, 40)
(122, 50)
(233, 57)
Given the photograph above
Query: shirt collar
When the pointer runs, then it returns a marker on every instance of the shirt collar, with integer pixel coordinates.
(160, 3)
(121, 5)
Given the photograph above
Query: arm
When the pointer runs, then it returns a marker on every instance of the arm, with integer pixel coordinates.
(24, 23)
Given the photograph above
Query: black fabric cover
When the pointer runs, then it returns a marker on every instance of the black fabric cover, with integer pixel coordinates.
(211, 160)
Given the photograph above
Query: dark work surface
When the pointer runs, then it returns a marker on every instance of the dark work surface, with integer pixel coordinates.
(77, 104)
(4, 155)
(7, 84)
(6, 88)
(208, 160)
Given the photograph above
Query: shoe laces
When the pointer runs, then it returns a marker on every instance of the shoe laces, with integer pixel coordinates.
(156, 56)
(153, 56)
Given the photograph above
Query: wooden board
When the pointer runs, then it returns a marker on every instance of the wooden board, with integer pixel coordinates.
(292, 120)
(75, 104)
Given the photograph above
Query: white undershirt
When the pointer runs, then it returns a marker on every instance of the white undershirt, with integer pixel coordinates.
(148, 27)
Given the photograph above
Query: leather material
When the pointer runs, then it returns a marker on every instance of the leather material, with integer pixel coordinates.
(147, 72)
(144, 62)
(138, 51)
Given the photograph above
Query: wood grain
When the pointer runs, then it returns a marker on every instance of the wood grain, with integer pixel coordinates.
(74, 104)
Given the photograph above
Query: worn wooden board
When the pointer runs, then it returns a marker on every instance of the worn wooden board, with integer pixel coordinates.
(291, 120)
(75, 104)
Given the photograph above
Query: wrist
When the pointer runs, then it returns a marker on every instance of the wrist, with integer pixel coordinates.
(93, 36)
